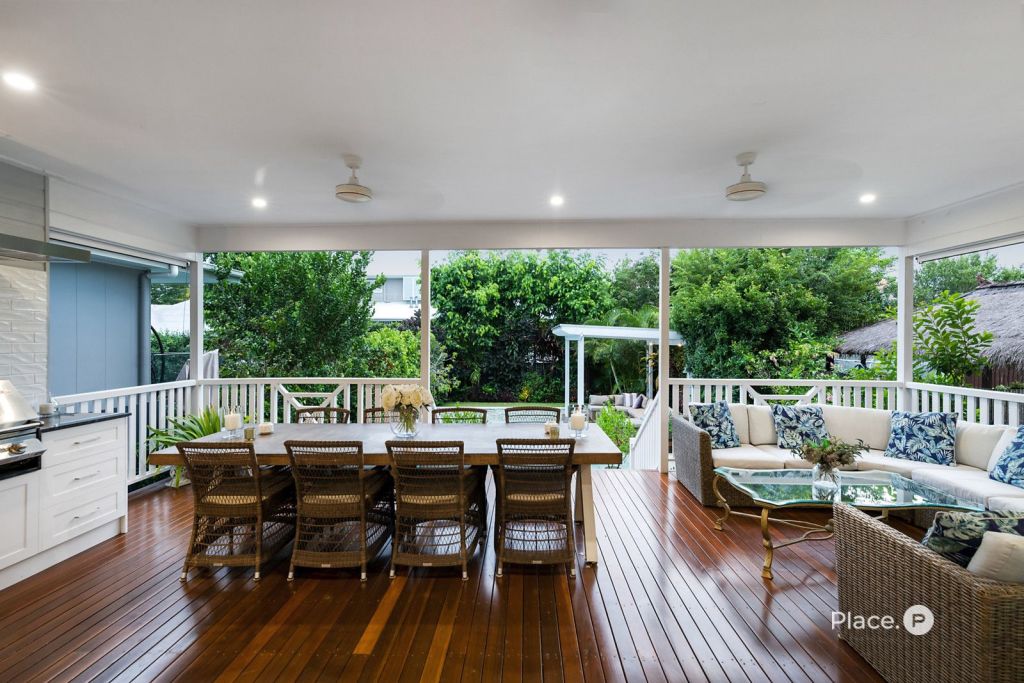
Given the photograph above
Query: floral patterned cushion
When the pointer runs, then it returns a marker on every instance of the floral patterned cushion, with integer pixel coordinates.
(716, 420)
(797, 425)
(923, 437)
(957, 535)
(1009, 468)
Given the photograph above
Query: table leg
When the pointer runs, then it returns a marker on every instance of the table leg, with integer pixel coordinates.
(769, 549)
(578, 506)
(720, 522)
(585, 506)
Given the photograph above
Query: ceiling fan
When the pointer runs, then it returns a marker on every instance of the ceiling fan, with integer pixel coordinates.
(353, 191)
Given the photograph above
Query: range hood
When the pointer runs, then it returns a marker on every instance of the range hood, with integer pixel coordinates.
(23, 249)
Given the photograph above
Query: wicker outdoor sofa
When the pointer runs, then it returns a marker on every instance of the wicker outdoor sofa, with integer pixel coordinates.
(978, 633)
(977, 448)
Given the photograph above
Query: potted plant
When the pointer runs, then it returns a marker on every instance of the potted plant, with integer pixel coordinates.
(188, 428)
(827, 456)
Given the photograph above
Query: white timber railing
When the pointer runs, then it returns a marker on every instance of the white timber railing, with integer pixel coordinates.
(979, 406)
(861, 394)
(645, 447)
(267, 399)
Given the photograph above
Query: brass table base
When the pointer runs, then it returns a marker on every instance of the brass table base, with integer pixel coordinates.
(813, 532)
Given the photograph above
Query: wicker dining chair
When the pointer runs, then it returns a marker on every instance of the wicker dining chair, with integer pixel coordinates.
(377, 416)
(243, 514)
(535, 414)
(345, 509)
(534, 515)
(459, 416)
(322, 415)
(440, 505)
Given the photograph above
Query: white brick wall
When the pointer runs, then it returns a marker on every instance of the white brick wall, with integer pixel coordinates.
(23, 325)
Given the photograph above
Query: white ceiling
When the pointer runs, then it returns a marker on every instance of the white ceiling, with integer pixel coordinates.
(468, 110)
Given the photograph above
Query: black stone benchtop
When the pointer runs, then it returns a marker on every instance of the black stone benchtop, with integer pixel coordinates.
(52, 423)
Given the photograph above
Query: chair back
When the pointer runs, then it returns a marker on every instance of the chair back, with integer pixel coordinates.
(325, 469)
(222, 473)
(534, 414)
(459, 416)
(428, 473)
(322, 415)
(377, 416)
(535, 471)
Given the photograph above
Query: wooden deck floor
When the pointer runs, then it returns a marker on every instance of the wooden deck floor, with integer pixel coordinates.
(671, 600)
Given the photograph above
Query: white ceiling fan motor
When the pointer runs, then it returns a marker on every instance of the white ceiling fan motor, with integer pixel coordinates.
(353, 191)
(746, 189)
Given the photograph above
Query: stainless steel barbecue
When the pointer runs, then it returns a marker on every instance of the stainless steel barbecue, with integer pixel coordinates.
(20, 448)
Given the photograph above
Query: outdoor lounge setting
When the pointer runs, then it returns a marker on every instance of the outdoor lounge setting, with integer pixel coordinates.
(567, 341)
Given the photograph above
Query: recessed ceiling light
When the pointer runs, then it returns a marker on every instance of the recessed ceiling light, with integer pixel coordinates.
(868, 198)
(259, 203)
(20, 81)
(557, 200)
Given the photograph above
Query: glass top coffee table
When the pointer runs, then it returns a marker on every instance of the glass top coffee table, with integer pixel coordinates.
(796, 488)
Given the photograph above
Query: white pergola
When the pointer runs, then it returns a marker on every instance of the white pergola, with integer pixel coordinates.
(580, 333)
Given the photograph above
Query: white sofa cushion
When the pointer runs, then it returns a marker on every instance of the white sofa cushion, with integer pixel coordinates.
(739, 418)
(1006, 504)
(762, 426)
(878, 460)
(969, 483)
(975, 444)
(1000, 558)
(797, 463)
(747, 457)
(867, 424)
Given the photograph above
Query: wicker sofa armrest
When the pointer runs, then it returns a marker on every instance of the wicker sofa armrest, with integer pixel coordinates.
(978, 634)
(691, 449)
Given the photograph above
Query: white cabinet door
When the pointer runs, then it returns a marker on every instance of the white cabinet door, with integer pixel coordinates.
(19, 518)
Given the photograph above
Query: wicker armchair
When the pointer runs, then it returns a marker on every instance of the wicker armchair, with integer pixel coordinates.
(535, 414)
(345, 509)
(459, 416)
(440, 505)
(243, 514)
(695, 467)
(322, 415)
(534, 502)
(978, 633)
(377, 416)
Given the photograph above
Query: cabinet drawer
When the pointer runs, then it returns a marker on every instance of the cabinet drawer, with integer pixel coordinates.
(99, 470)
(80, 514)
(68, 444)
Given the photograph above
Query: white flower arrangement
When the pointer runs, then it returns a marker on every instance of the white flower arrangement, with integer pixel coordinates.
(397, 397)
(405, 401)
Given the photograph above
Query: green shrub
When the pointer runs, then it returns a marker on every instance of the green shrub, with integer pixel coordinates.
(617, 426)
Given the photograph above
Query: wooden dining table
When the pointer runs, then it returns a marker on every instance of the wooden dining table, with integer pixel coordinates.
(480, 447)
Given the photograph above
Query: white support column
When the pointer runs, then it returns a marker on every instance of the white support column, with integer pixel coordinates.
(568, 369)
(663, 354)
(425, 318)
(580, 358)
(904, 327)
(196, 325)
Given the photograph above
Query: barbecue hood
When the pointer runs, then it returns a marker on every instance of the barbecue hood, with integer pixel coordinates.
(14, 409)
(23, 249)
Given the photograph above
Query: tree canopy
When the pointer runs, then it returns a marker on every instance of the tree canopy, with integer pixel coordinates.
(959, 274)
(635, 283)
(293, 313)
(496, 311)
(773, 312)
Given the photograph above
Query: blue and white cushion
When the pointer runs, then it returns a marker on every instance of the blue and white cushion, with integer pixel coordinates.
(716, 420)
(923, 437)
(1009, 468)
(797, 425)
(958, 535)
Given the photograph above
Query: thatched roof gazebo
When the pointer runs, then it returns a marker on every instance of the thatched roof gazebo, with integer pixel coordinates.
(1001, 312)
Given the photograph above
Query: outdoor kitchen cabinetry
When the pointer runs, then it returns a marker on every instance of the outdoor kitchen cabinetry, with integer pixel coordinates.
(84, 484)
(79, 497)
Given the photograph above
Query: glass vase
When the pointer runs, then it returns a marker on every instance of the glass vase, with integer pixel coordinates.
(824, 483)
(405, 422)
